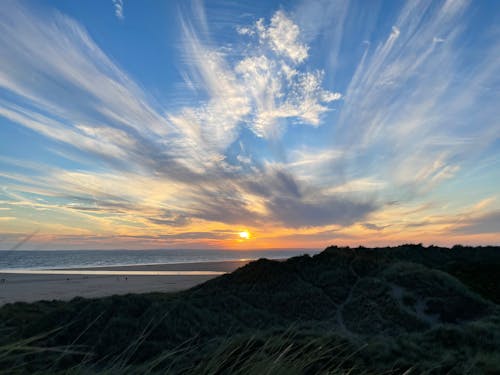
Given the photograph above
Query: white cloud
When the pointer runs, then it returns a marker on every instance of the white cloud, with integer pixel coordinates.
(118, 4)
(362, 185)
(259, 89)
(395, 32)
(214, 122)
(408, 91)
(283, 36)
(243, 30)
(102, 141)
(70, 77)
(72, 92)
(407, 121)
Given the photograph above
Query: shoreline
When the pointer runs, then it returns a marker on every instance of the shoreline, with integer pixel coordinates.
(209, 266)
(5, 266)
(94, 282)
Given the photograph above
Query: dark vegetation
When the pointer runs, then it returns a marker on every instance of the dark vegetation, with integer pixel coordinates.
(408, 309)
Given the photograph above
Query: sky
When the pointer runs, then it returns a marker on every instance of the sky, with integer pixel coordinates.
(127, 124)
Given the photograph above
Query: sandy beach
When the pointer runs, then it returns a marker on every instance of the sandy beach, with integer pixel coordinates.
(105, 281)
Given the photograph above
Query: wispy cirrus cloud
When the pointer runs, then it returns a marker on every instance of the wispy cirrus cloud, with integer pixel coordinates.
(486, 223)
(118, 4)
(261, 89)
(409, 115)
(268, 138)
(409, 95)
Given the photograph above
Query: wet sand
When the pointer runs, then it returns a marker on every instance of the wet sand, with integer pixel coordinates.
(106, 281)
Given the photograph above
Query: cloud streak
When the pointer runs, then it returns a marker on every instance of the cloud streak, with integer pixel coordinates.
(118, 4)
(269, 138)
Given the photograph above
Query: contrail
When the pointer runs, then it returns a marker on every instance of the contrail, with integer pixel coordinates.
(24, 240)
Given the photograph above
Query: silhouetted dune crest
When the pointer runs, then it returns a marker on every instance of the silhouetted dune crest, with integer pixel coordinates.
(396, 308)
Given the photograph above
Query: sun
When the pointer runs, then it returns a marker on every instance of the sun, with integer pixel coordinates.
(244, 235)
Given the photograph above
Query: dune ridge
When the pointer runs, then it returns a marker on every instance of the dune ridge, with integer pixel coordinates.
(408, 309)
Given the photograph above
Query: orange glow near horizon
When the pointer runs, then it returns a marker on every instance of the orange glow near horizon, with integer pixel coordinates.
(65, 228)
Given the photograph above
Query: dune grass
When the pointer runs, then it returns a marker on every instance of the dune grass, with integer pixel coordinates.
(343, 311)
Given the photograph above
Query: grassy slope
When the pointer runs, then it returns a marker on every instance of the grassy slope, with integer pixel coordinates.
(342, 310)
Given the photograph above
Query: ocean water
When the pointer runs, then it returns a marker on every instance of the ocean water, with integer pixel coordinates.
(57, 259)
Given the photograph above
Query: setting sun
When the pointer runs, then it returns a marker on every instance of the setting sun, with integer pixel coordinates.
(244, 235)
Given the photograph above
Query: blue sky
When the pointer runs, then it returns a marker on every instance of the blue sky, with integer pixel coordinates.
(126, 124)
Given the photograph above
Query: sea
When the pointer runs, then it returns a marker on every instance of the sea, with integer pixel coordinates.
(64, 259)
